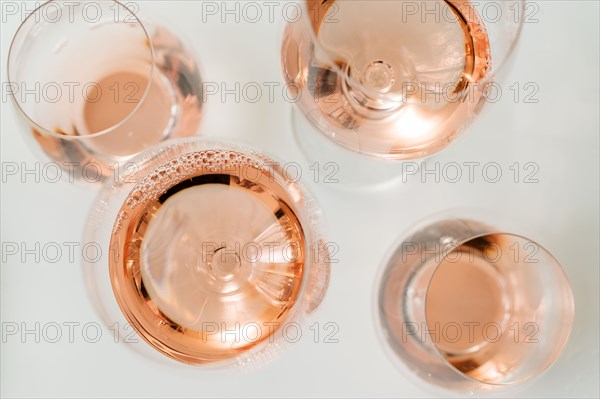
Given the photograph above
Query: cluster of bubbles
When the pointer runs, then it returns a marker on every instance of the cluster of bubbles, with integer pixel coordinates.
(181, 168)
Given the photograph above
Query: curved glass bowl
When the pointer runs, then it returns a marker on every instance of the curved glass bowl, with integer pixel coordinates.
(396, 80)
(89, 111)
(468, 306)
(209, 252)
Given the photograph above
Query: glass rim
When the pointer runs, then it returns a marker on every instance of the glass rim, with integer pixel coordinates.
(557, 268)
(306, 11)
(42, 129)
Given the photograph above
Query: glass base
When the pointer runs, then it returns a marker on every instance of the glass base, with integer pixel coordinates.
(338, 166)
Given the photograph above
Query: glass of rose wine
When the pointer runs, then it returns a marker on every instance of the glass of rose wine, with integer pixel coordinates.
(210, 253)
(96, 85)
(392, 80)
(468, 306)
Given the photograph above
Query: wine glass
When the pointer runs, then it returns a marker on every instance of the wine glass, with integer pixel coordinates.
(96, 85)
(470, 306)
(211, 253)
(392, 80)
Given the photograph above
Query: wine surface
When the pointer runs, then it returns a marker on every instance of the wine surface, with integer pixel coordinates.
(209, 255)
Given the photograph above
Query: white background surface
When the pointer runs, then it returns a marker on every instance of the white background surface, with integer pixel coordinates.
(560, 134)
